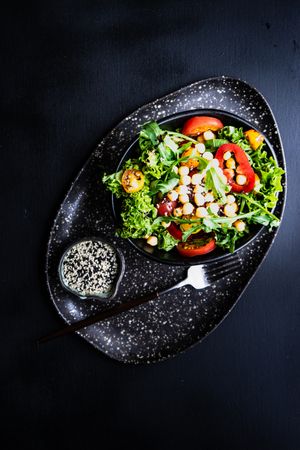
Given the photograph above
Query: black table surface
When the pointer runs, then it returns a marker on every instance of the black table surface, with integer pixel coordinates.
(70, 70)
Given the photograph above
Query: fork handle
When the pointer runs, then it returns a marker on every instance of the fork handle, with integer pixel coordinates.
(116, 310)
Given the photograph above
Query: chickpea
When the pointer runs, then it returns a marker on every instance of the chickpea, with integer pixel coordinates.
(200, 147)
(187, 208)
(208, 155)
(226, 156)
(208, 135)
(241, 180)
(185, 179)
(152, 240)
(177, 212)
(201, 212)
(230, 209)
(230, 163)
(197, 178)
(182, 189)
(214, 207)
(184, 198)
(173, 196)
(183, 170)
(230, 199)
(240, 225)
(199, 199)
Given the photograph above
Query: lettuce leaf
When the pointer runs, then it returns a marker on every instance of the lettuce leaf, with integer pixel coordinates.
(270, 177)
(235, 135)
(166, 241)
(138, 214)
(113, 183)
(153, 166)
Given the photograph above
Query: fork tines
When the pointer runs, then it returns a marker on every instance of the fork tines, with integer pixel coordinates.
(222, 268)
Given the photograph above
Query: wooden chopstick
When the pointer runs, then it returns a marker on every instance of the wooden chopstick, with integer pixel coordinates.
(116, 310)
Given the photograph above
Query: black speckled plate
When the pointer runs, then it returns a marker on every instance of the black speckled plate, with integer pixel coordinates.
(159, 329)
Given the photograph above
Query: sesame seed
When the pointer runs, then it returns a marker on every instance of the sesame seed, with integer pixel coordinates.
(89, 268)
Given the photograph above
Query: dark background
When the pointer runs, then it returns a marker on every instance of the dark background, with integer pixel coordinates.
(70, 71)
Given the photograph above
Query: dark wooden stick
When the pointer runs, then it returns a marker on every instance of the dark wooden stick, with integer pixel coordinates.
(99, 317)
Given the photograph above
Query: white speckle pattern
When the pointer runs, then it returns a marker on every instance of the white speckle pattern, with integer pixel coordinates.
(162, 328)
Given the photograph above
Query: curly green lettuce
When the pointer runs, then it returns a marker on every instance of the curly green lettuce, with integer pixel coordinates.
(138, 213)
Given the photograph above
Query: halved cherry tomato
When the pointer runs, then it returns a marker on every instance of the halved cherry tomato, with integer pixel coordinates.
(244, 167)
(197, 125)
(195, 247)
(175, 231)
(254, 138)
(132, 180)
(165, 207)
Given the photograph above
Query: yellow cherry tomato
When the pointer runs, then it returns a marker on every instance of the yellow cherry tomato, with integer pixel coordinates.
(132, 181)
(191, 163)
(254, 138)
(187, 226)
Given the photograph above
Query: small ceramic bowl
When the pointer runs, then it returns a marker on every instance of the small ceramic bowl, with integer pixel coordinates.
(173, 257)
(105, 295)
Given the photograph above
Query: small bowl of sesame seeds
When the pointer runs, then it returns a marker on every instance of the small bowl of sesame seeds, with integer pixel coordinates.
(92, 268)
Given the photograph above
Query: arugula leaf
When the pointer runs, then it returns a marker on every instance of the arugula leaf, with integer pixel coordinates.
(214, 182)
(186, 234)
(181, 136)
(166, 154)
(227, 239)
(266, 220)
(213, 144)
(213, 223)
(263, 215)
(168, 141)
(150, 132)
(164, 186)
(184, 147)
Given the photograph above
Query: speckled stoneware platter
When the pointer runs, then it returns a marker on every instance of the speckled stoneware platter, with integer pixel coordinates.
(179, 319)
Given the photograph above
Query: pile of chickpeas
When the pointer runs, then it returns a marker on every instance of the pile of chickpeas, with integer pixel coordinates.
(193, 200)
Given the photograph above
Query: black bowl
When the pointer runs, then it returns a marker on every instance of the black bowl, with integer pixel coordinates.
(173, 257)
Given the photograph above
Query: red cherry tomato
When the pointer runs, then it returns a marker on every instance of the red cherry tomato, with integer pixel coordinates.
(165, 207)
(195, 247)
(175, 231)
(199, 124)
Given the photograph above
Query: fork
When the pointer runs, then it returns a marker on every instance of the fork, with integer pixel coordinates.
(199, 277)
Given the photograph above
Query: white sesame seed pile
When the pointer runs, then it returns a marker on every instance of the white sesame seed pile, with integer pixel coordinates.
(90, 268)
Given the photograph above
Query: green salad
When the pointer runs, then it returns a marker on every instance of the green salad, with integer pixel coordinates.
(196, 188)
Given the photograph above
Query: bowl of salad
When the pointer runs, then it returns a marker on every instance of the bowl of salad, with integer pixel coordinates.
(195, 187)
